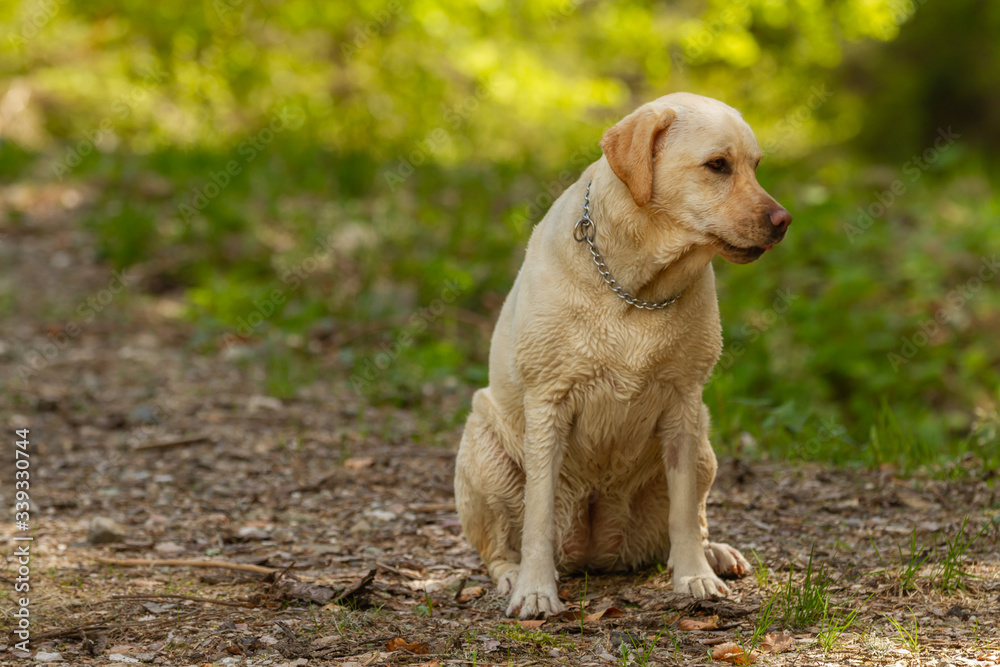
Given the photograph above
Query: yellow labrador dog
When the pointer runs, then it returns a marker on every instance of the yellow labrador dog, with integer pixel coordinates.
(589, 449)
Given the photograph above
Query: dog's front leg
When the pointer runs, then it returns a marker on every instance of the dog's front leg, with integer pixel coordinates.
(692, 574)
(545, 436)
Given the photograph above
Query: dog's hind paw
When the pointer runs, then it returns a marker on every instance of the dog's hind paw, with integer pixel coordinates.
(726, 561)
(530, 603)
(701, 586)
(507, 580)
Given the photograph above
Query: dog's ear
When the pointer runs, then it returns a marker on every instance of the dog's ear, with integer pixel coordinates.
(629, 148)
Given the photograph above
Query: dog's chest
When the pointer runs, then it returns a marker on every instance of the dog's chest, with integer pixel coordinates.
(631, 386)
(616, 422)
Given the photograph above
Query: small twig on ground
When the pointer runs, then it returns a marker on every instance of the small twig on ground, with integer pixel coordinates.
(276, 577)
(174, 442)
(394, 570)
(152, 562)
(285, 629)
(461, 587)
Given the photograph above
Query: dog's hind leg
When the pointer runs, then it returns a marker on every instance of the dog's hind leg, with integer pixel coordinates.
(489, 494)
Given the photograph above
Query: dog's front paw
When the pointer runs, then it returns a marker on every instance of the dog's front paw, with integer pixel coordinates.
(726, 561)
(529, 601)
(701, 586)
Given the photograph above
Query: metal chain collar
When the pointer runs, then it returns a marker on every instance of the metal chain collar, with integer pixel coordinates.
(584, 230)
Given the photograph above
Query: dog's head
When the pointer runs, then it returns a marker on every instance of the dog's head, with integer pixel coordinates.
(692, 161)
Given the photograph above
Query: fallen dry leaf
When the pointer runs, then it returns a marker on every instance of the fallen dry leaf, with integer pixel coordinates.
(730, 652)
(359, 462)
(566, 615)
(430, 663)
(777, 643)
(531, 624)
(400, 644)
(470, 593)
(609, 612)
(710, 623)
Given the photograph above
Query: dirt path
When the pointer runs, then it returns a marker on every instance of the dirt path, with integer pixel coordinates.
(129, 421)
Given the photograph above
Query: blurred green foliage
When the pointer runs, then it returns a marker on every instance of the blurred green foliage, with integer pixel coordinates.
(311, 174)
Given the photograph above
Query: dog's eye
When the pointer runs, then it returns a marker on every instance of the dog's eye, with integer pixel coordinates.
(718, 164)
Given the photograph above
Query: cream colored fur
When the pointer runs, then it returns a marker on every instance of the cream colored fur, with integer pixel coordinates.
(590, 449)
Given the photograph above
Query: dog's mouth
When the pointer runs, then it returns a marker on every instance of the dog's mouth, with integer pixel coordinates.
(739, 254)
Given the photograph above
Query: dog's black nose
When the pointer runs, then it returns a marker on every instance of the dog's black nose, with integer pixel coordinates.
(780, 218)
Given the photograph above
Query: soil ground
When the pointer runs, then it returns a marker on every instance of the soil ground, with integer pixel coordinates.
(351, 505)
